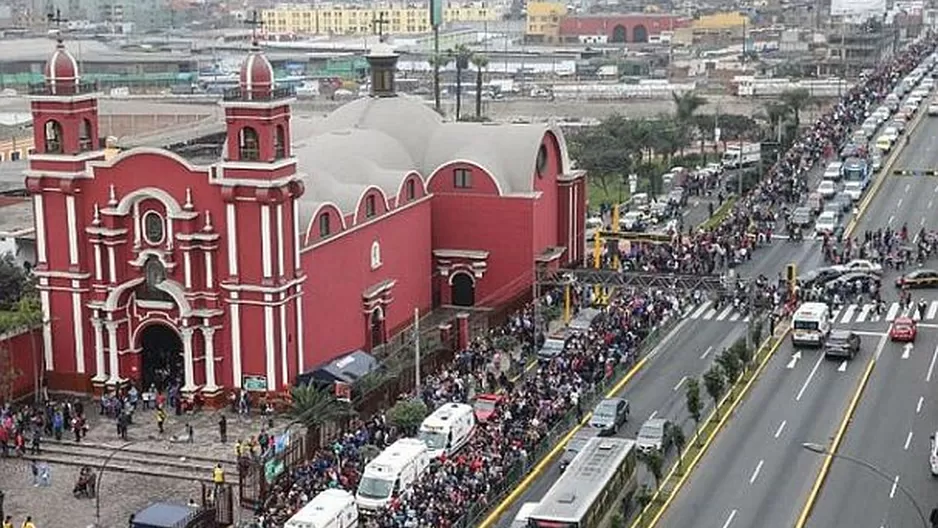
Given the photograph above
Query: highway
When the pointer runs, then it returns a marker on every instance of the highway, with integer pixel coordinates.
(898, 411)
(758, 474)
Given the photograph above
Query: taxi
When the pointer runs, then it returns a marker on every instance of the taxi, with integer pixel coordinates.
(920, 278)
(903, 329)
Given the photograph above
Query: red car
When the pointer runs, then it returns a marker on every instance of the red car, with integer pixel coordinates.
(903, 329)
(486, 405)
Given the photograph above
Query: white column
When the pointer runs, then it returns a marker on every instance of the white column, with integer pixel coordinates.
(266, 256)
(100, 375)
(300, 363)
(72, 223)
(114, 367)
(208, 335)
(98, 271)
(235, 341)
(187, 360)
(187, 268)
(296, 234)
(137, 231)
(40, 220)
(45, 302)
(111, 265)
(78, 329)
(280, 235)
(231, 220)
(270, 346)
(284, 370)
(209, 277)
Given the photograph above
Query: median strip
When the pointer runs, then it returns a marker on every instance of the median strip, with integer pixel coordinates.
(709, 428)
(720, 214)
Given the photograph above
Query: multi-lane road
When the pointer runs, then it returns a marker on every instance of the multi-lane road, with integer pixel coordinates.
(758, 474)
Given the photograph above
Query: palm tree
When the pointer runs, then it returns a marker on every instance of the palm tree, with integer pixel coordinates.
(775, 115)
(796, 101)
(479, 61)
(684, 108)
(461, 54)
(438, 62)
(313, 407)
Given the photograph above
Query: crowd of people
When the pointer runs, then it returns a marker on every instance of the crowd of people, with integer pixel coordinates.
(534, 403)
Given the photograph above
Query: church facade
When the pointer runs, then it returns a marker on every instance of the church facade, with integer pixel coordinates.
(305, 241)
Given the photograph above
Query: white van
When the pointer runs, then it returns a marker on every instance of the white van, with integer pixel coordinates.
(448, 429)
(333, 508)
(391, 473)
(521, 519)
(811, 324)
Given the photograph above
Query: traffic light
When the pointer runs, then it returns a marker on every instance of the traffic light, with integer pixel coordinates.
(791, 274)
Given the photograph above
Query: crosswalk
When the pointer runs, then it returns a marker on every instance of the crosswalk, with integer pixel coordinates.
(851, 313)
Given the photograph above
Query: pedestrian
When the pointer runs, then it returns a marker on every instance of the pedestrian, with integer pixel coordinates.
(8, 521)
(223, 429)
(34, 444)
(218, 476)
(160, 419)
(28, 523)
(34, 469)
(190, 433)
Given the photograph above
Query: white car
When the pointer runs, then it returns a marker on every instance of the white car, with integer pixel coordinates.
(891, 133)
(854, 190)
(933, 109)
(834, 171)
(826, 223)
(827, 189)
(859, 265)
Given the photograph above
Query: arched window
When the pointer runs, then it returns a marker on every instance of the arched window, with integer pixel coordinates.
(411, 189)
(280, 143)
(84, 137)
(53, 137)
(249, 145)
(324, 227)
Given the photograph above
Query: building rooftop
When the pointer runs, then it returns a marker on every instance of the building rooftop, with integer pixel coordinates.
(38, 49)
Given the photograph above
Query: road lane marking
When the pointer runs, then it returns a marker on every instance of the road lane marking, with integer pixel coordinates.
(700, 310)
(710, 313)
(867, 333)
(729, 520)
(678, 386)
(931, 366)
(898, 205)
(864, 312)
(891, 218)
(848, 313)
(895, 484)
(893, 310)
(921, 223)
(836, 313)
(918, 408)
(930, 202)
(908, 441)
(781, 427)
(755, 473)
(807, 382)
(907, 187)
(706, 352)
(842, 367)
(932, 310)
(652, 417)
(725, 313)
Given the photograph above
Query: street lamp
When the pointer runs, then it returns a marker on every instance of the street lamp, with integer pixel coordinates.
(822, 450)
(97, 483)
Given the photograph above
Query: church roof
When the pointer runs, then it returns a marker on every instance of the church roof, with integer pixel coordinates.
(377, 141)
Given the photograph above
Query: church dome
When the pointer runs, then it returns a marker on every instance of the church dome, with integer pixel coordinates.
(257, 76)
(62, 68)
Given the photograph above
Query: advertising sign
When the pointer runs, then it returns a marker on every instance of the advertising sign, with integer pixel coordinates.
(436, 13)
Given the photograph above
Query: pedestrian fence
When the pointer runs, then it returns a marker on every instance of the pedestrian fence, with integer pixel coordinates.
(477, 512)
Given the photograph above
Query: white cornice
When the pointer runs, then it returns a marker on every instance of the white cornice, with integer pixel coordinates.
(64, 98)
(258, 288)
(250, 105)
(87, 155)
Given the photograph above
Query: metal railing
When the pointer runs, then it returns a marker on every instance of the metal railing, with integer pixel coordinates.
(517, 472)
(237, 94)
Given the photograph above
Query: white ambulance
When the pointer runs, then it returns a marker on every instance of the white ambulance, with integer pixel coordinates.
(333, 508)
(811, 324)
(448, 429)
(392, 473)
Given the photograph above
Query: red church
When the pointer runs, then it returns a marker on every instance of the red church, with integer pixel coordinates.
(306, 240)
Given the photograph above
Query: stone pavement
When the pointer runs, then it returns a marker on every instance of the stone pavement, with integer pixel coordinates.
(151, 468)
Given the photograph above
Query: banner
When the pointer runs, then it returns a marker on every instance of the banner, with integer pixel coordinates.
(436, 13)
(858, 7)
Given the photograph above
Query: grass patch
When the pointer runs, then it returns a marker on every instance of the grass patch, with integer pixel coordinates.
(720, 214)
(616, 191)
(699, 443)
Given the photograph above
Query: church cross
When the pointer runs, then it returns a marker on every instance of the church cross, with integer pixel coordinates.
(255, 23)
(56, 18)
(379, 24)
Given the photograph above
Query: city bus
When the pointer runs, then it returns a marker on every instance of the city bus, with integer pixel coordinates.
(601, 478)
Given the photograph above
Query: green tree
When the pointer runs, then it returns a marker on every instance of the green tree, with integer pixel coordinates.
(654, 461)
(742, 351)
(644, 496)
(8, 374)
(678, 441)
(796, 101)
(480, 62)
(776, 115)
(438, 61)
(13, 281)
(407, 415)
(313, 407)
(617, 520)
(694, 404)
(602, 152)
(685, 106)
(461, 55)
(715, 383)
(730, 364)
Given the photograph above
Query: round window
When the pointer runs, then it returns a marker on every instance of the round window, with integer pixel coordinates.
(153, 228)
(541, 161)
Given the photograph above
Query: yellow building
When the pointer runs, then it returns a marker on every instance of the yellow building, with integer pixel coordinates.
(543, 21)
(357, 20)
(721, 21)
(15, 148)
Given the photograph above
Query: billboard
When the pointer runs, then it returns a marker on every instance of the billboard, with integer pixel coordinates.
(858, 7)
(436, 13)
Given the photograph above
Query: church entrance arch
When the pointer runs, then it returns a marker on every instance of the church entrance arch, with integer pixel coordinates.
(463, 290)
(619, 34)
(639, 33)
(160, 356)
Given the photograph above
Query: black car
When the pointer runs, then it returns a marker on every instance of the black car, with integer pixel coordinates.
(819, 276)
(575, 445)
(801, 217)
(841, 344)
(609, 415)
(868, 281)
(920, 278)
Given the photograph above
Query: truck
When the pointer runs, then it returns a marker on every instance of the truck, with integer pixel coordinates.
(742, 155)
